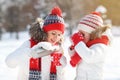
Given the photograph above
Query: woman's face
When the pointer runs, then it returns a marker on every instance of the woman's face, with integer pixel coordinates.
(86, 35)
(54, 36)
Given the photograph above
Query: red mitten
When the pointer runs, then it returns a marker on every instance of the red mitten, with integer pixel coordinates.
(76, 38)
(75, 59)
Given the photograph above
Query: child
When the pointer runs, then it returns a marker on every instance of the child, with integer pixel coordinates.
(89, 47)
(41, 60)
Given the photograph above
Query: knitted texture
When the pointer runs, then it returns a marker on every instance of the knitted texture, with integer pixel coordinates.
(90, 22)
(54, 21)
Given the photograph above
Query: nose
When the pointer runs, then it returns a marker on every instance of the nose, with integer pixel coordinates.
(56, 36)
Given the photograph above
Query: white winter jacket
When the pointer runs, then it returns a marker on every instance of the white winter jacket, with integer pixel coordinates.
(20, 57)
(91, 66)
(93, 58)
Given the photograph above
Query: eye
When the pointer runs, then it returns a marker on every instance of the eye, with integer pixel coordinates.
(59, 34)
(83, 34)
(53, 33)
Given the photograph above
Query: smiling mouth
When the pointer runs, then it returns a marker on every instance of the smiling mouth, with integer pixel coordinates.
(52, 41)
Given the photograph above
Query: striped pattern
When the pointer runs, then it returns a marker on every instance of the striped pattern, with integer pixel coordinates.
(90, 22)
(51, 19)
(54, 21)
(53, 76)
(34, 75)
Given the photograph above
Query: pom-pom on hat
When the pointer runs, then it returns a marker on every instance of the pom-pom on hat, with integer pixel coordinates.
(90, 22)
(54, 21)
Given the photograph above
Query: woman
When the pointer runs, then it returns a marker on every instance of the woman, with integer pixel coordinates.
(41, 57)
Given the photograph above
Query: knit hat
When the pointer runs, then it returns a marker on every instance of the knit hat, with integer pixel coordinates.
(54, 21)
(90, 22)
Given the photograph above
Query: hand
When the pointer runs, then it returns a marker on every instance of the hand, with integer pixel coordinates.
(45, 46)
(43, 49)
(39, 53)
(75, 59)
(76, 38)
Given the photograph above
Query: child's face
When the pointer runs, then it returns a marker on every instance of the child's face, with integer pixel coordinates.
(54, 36)
(86, 35)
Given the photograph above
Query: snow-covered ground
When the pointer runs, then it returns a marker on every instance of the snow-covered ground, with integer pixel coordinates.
(7, 45)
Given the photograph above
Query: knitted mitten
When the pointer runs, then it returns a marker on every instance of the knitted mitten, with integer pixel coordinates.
(75, 58)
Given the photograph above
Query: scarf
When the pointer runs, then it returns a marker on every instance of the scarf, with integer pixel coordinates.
(34, 65)
(103, 39)
(54, 63)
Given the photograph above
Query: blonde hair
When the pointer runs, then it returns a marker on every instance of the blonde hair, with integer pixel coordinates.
(98, 32)
(61, 40)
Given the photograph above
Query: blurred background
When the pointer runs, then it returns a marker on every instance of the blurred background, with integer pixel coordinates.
(17, 15)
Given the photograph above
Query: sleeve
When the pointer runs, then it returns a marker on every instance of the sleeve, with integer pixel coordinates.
(20, 54)
(95, 53)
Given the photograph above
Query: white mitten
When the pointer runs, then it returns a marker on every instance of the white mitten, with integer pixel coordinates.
(42, 49)
(45, 46)
(63, 61)
(40, 53)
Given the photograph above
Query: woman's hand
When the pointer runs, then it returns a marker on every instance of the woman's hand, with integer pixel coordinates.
(45, 46)
(43, 49)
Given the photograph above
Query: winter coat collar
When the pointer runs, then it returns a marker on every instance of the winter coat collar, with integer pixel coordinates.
(103, 39)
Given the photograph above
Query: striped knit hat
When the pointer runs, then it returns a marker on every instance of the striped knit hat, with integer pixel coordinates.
(90, 22)
(54, 21)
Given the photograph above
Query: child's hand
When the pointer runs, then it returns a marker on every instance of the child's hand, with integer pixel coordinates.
(75, 59)
(76, 38)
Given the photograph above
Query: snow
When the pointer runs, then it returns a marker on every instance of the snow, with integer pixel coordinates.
(112, 66)
(7, 45)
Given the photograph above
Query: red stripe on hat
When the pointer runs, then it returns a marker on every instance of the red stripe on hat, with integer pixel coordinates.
(94, 18)
(89, 21)
(87, 25)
